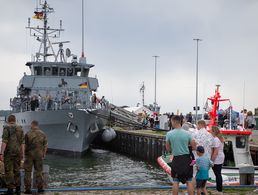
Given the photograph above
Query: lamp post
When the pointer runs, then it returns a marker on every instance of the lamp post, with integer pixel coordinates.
(196, 100)
(155, 85)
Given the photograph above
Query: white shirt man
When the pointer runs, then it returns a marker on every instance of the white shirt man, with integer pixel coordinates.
(203, 138)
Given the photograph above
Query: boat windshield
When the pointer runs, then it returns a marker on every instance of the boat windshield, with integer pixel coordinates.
(241, 141)
(38, 70)
(229, 154)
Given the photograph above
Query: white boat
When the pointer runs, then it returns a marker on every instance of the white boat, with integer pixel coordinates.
(236, 149)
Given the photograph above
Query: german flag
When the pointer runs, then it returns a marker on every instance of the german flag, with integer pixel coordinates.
(83, 85)
(38, 15)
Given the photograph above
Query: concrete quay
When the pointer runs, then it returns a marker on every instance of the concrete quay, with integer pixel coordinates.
(168, 191)
(148, 145)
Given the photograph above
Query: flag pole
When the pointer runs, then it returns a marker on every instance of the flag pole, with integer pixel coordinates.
(83, 58)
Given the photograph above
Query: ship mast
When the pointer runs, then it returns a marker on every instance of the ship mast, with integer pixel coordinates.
(216, 99)
(43, 34)
(45, 31)
(82, 28)
(83, 58)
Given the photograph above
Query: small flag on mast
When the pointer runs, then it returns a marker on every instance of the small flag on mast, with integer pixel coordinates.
(38, 15)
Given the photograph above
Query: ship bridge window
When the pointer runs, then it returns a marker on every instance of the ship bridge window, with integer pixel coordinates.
(38, 70)
(69, 71)
(240, 141)
(229, 154)
(47, 71)
(54, 71)
(62, 72)
(78, 71)
(85, 72)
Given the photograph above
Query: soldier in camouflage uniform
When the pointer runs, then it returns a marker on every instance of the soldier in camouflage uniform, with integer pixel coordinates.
(35, 152)
(12, 152)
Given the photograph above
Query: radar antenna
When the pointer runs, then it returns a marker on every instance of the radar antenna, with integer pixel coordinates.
(60, 51)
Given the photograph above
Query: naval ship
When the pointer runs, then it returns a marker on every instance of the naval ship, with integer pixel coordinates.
(59, 93)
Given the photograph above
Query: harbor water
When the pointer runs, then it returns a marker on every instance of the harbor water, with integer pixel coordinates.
(101, 168)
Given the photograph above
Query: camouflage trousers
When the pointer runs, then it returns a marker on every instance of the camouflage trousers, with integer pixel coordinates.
(12, 171)
(38, 167)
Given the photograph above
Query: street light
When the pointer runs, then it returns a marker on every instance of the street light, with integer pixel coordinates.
(196, 100)
(155, 86)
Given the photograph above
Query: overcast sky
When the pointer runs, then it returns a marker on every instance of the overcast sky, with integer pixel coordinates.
(121, 37)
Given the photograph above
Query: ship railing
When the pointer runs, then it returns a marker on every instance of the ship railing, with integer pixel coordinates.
(27, 103)
(23, 106)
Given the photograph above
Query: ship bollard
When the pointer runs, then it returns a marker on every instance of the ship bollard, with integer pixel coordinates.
(246, 174)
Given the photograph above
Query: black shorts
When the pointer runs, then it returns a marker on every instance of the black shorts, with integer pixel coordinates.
(200, 183)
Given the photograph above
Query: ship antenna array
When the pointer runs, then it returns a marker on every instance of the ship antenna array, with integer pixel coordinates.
(43, 34)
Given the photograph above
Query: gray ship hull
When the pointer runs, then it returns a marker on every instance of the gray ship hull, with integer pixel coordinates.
(66, 130)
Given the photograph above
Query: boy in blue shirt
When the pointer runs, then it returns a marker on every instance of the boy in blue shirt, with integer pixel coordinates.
(203, 164)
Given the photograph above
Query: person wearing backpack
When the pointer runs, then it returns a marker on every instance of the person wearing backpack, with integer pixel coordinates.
(12, 153)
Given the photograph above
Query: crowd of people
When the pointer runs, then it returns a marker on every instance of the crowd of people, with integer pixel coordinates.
(236, 120)
(151, 121)
(98, 102)
(228, 119)
(19, 150)
(207, 149)
(62, 100)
